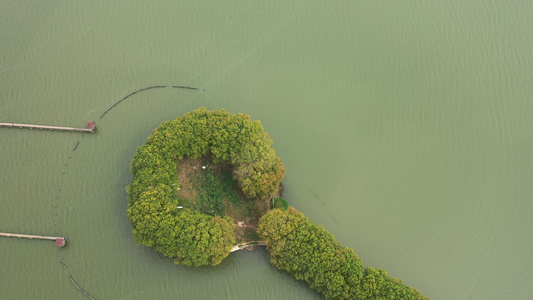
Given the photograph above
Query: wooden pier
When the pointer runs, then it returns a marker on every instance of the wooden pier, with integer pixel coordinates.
(60, 241)
(90, 127)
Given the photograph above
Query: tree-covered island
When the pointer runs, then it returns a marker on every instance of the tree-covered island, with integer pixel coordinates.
(207, 181)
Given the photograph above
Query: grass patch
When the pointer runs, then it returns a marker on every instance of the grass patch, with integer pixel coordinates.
(211, 189)
(216, 190)
(281, 203)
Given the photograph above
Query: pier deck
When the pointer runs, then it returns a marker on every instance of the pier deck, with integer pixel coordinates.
(60, 241)
(90, 127)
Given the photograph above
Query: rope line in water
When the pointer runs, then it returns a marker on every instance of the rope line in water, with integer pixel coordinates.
(55, 203)
(131, 94)
(79, 288)
(185, 87)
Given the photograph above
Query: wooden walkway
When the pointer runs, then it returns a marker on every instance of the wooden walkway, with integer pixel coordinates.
(247, 245)
(90, 127)
(60, 241)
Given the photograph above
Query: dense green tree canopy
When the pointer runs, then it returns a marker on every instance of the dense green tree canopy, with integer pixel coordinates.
(190, 237)
(296, 244)
(233, 138)
(310, 253)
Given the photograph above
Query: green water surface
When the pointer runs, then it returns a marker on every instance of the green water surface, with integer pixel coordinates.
(405, 128)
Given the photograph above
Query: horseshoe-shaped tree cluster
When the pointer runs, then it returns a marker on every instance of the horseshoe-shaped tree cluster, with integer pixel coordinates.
(188, 236)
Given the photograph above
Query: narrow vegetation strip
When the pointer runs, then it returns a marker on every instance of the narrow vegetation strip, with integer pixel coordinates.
(310, 253)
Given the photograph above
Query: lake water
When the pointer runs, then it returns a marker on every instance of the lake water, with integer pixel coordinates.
(405, 128)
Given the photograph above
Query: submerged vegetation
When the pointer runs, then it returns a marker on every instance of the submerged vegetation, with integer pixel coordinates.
(209, 179)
